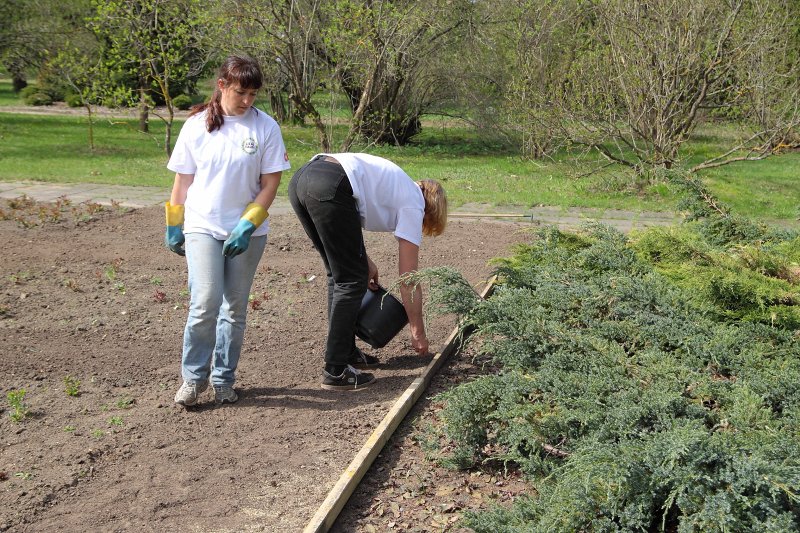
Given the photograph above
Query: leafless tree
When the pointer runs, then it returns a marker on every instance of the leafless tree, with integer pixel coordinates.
(632, 79)
(283, 35)
(654, 69)
(379, 53)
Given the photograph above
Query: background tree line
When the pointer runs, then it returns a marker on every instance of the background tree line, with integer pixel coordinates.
(627, 80)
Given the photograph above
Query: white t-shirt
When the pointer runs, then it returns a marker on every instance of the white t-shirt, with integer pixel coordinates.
(227, 165)
(387, 198)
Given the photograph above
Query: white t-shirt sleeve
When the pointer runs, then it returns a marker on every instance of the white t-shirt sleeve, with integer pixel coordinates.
(275, 157)
(409, 225)
(181, 160)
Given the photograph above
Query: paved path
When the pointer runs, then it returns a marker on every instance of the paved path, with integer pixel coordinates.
(148, 196)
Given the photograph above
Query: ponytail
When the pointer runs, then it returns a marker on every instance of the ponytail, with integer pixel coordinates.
(241, 70)
(435, 218)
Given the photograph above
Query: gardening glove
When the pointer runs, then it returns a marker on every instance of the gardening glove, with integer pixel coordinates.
(174, 238)
(254, 215)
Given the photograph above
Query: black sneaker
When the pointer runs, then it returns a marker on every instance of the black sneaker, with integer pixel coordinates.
(349, 379)
(361, 360)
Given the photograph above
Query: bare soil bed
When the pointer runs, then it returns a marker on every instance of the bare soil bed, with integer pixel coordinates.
(97, 302)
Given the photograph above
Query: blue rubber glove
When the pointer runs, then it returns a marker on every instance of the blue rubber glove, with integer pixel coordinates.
(175, 239)
(239, 239)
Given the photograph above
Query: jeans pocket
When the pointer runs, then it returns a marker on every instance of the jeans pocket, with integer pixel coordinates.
(324, 190)
(323, 181)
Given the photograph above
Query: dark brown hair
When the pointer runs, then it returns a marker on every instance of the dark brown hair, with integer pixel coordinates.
(236, 69)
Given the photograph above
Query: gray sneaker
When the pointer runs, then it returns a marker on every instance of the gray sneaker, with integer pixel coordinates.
(225, 394)
(188, 393)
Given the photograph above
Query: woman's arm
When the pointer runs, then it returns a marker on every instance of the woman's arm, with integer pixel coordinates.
(179, 188)
(408, 261)
(269, 188)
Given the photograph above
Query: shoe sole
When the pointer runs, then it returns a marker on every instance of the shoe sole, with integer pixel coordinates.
(220, 401)
(186, 404)
(226, 400)
(362, 366)
(349, 387)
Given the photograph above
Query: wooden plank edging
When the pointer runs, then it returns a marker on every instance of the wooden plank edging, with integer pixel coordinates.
(327, 513)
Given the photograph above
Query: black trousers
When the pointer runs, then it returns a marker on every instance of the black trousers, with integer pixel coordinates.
(322, 198)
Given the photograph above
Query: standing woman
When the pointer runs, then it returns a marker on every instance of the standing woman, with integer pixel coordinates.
(335, 196)
(228, 161)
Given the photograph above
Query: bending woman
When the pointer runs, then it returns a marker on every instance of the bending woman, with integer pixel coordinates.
(335, 196)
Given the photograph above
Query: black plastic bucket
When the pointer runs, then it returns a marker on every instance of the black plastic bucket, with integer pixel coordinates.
(380, 318)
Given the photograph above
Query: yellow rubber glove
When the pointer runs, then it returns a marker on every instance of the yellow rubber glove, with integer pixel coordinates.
(253, 216)
(255, 213)
(174, 238)
(174, 214)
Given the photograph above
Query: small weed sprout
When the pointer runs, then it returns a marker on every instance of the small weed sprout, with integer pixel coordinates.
(120, 287)
(24, 475)
(156, 281)
(19, 409)
(98, 433)
(115, 421)
(125, 403)
(69, 428)
(93, 208)
(71, 284)
(72, 386)
(20, 277)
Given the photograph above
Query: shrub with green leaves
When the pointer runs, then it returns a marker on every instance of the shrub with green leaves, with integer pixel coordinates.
(39, 99)
(758, 282)
(636, 397)
(73, 100)
(182, 102)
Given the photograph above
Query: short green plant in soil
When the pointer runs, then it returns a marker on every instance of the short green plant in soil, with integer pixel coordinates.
(635, 400)
(18, 408)
(72, 386)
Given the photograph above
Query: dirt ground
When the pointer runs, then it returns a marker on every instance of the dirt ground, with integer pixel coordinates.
(98, 306)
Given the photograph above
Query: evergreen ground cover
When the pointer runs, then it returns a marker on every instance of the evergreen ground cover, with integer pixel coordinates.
(646, 383)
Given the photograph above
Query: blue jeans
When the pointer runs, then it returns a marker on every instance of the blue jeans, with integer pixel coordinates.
(220, 289)
(322, 198)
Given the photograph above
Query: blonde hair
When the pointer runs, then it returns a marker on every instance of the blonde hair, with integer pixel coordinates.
(435, 219)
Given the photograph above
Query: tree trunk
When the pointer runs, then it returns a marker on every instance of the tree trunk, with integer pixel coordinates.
(380, 113)
(91, 126)
(18, 82)
(278, 106)
(144, 112)
(168, 129)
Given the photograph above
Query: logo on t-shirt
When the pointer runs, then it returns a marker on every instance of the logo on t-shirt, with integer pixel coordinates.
(250, 146)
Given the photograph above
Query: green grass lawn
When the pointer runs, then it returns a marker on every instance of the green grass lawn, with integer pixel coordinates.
(56, 149)
(7, 96)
